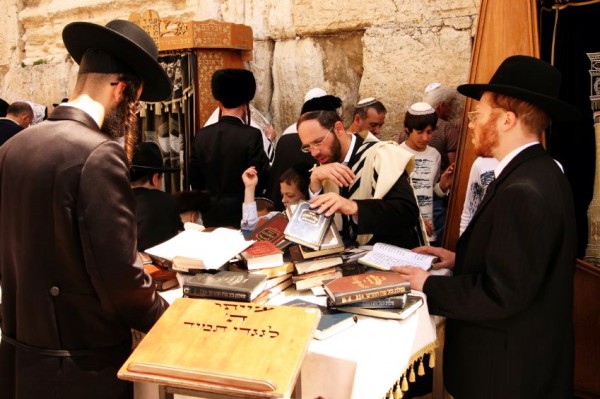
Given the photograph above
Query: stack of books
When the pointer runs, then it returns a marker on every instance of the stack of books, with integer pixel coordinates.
(312, 272)
(317, 256)
(380, 294)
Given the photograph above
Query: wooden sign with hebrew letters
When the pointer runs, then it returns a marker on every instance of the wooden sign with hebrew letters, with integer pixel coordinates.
(225, 347)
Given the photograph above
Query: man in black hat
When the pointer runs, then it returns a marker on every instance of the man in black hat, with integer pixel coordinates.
(72, 284)
(156, 212)
(224, 150)
(509, 330)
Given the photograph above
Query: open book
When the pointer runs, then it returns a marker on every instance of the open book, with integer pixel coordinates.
(384, 256)
(201, 250)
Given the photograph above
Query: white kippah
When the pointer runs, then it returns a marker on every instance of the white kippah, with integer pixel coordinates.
(420, 109)
(314, 93)
(432, 86)
(366, 102)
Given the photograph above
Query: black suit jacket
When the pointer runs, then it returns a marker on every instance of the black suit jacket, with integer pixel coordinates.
(157, 217)
(394, 219)
(220, 154)
(71, 278)
(509, 305)
(8, 128)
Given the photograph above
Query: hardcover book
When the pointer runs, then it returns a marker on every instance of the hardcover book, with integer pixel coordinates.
(272, 230)
(226, 285)
(315, 279)
(367, 286)
(384, 256)
(162, 278)
(391, 302)
(307, 227)
(262, 254)
(273, 291)
(413, 302)
(303, 266)
(332, 244)
(332, 321)
(270, 272)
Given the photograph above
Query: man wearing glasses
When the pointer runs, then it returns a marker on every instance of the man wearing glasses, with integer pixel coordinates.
(365, 181)
(509, 329)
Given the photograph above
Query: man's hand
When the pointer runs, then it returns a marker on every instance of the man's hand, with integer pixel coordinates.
(428, 226)
(331, 203)
(446, 178)
(414, 275)
(446, 257)
(336, 172)
(250, 177)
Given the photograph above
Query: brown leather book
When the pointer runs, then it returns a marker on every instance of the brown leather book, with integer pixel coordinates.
(162, 278)
(363, 287)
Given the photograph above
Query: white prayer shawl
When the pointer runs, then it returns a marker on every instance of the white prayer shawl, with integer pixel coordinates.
(389, 161)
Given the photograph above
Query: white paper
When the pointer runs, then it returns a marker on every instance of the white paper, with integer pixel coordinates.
(214, 249)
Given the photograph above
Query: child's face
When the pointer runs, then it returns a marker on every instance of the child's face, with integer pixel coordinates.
(290, 194)
(419, 139)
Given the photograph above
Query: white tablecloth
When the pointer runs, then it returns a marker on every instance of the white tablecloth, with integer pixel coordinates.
(362, 362)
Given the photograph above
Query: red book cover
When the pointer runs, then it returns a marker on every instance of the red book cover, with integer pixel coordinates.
(260, 249)
(272, 230)
(366, 286)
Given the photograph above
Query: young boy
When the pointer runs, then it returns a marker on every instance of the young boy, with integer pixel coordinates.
(420, 121)
(294, 187)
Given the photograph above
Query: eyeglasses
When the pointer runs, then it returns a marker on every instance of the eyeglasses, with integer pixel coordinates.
(307, 147)
(472, 115)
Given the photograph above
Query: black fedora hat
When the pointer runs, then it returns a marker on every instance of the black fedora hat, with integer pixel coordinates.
(147, 158)
(233, 87)
(126, 42)
(528, 79)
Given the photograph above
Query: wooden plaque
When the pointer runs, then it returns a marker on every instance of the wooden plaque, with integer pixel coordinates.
(504, 28)
(225, 347)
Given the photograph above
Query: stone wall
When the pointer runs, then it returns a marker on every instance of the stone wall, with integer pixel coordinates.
(390, 49)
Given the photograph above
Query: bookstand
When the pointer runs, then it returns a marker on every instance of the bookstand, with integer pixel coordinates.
(225, 349)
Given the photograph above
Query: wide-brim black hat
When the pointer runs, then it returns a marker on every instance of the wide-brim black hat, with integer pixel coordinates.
(233, 87)
(323, 103)
(528, 79)
(126, 42)
(147, 158)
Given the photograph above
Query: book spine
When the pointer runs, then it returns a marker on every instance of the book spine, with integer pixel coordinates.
(369, 294)
(396, 302)
(216, 293)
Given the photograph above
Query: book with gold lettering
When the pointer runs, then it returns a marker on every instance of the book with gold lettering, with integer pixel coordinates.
(366, 286)
(307, 227)
(228, 348)
(225, 284)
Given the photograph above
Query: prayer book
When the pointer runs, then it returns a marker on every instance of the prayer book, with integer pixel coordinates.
(227, 285)
(384, 256)
(270, 272)
(201, 250)
(391, 302)
(413, 302)
(366, 286)
(271, 230)
(332, 244)
(307, 281)
(307, 227)
(303, 266)
(162, 278)
(262, 254)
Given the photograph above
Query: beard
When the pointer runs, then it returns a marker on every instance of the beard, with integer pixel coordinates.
(336, 150)
(115, 122)
(486, 138)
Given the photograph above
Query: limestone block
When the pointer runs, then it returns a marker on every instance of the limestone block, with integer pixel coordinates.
(9, 39)
(268, 18)
(399, 63)
(43, 84)
(333, 63)
(312, 17)
(261, 67)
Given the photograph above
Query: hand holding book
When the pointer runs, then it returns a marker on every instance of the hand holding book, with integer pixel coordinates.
(384, 256)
